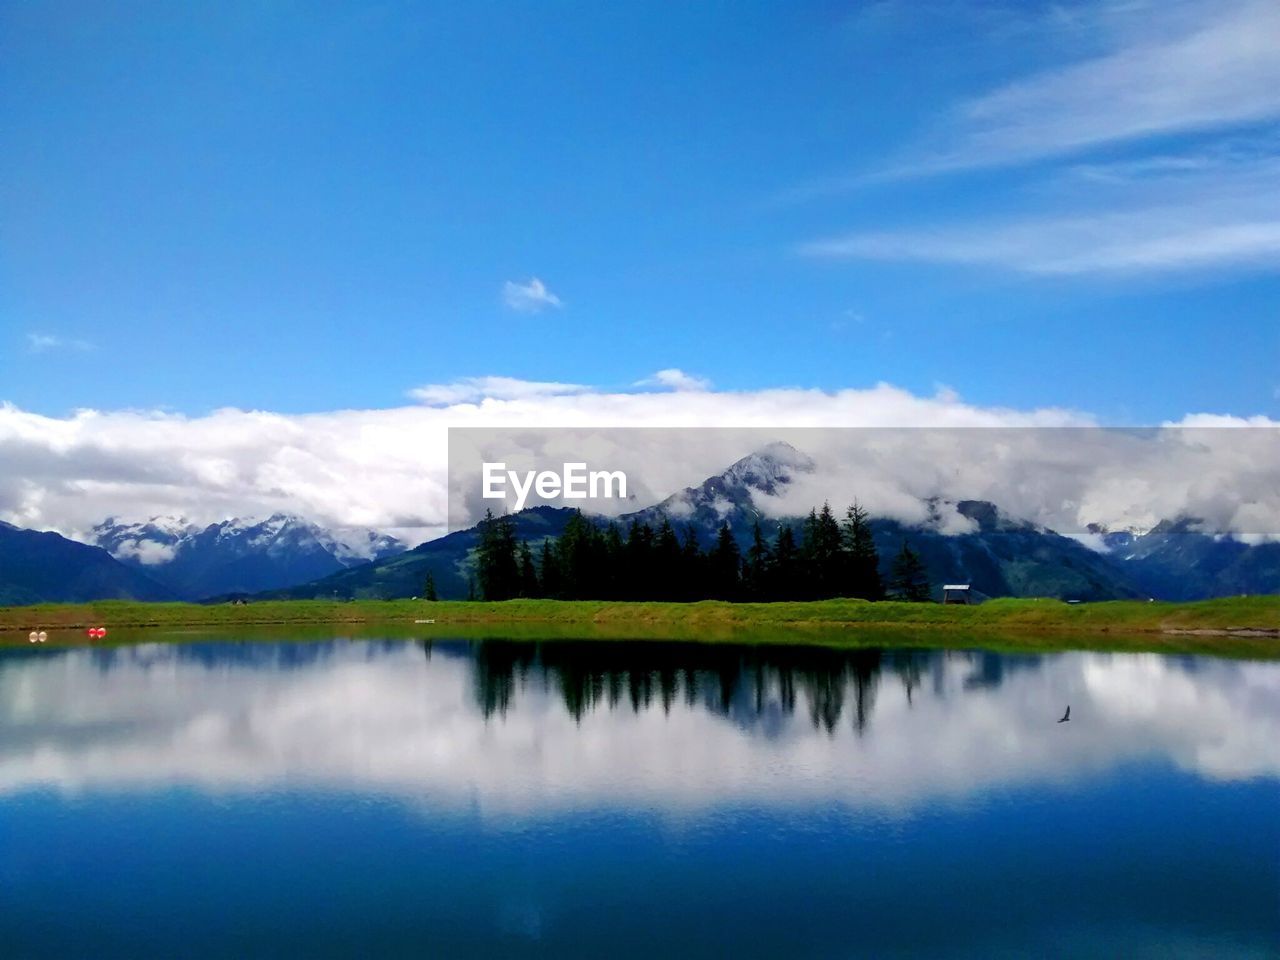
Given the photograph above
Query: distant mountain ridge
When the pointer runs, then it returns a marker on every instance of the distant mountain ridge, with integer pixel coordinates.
(1177, 560)
(448, 560)
(238, 555)
(285, 556)
(1002, 556)
(45, 567)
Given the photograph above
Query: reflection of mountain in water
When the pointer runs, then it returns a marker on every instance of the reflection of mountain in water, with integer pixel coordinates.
(756, 687)
(558, 725)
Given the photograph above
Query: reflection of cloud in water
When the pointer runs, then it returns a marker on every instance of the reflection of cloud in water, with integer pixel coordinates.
(384, 719)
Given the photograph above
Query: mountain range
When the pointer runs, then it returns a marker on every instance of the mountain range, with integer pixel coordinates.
(1000, 556)
(289, 557)
(1176, 560)
(238, 556)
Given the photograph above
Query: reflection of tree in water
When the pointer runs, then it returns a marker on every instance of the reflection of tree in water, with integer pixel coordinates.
(754, 685)
(989, 669)
(496, 673)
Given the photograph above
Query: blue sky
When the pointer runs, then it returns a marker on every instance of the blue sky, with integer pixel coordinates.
(309, 207)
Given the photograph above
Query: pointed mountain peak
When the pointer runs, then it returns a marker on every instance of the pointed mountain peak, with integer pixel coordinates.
(733, 491)
(766, 469)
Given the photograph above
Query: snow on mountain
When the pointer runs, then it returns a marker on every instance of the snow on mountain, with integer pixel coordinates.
(240, 554)
(353, 545)
(145, 543)
(767, 469)
(1106, 539)
(730, 495)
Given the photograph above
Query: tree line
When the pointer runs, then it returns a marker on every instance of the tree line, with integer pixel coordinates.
(828, 557)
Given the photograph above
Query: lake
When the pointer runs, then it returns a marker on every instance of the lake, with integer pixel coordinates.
(229, 797)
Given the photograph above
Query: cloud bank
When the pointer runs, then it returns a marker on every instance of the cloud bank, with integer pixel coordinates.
(387, 468)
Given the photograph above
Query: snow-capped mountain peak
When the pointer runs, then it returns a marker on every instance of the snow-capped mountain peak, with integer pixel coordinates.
(145, 542)
(765, 470)
(240, 554)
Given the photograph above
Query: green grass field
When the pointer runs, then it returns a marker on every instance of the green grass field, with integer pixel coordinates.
(1237, 625)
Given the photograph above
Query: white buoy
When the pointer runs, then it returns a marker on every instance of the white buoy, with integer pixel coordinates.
(43, 636)
(34, 636)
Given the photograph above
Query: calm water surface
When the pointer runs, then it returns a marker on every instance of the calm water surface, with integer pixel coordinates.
(490, 799)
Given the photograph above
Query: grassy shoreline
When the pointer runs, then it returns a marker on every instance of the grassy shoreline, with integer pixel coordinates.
(1233, 626)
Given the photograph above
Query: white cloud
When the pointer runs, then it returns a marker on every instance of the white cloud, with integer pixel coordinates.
(145, 552)
(46, 342)
(529, 297)
(387, 469)
(674, 378)
(1184, 67)
(384, 469)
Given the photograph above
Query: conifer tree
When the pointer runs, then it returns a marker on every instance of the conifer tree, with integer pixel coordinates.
(755, 569)
(910, 582)
(785, 569)
(496, 563)
(528, 575)
(614, 574)
(666, 563)
(639, 571)
(725, 565)
(863, 567)
(549, 579)
(805, 582)
(828, 558)
(692, 567)
(580, 558)
(429, 591)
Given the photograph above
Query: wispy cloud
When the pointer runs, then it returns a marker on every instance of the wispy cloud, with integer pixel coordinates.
(475, 389)
(1179, 67)
(46, 342)
(1138, 242)
(674, 378)
(531, 296)
(1213, 209)
(1190, 67)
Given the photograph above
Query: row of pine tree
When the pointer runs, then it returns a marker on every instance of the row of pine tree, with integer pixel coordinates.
(594, 561)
